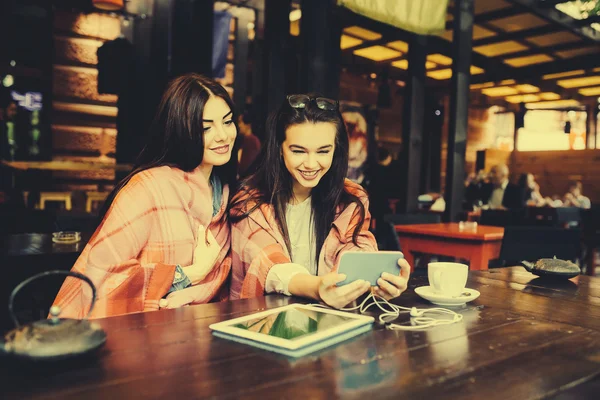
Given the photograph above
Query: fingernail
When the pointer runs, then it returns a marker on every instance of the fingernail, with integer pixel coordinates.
(163, 303)
(385, 275)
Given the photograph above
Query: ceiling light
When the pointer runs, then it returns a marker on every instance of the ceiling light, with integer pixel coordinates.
(295, 15)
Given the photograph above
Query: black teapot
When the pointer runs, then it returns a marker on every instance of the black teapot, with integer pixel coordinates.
(55, 338)
(552, 268)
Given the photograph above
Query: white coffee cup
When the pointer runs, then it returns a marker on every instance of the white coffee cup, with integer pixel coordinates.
(448, 278)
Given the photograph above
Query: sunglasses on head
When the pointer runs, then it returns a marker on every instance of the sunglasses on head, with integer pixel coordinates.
(301, 101)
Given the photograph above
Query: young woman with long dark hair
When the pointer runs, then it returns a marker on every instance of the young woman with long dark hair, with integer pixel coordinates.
(295, 216)
(164, 228)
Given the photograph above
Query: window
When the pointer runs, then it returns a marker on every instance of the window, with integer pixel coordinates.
(552, 130)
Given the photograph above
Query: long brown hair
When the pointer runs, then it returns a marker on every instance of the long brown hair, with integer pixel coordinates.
(176, 136)
(272, 183)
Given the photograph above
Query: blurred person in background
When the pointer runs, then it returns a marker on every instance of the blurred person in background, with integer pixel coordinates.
(499, 193)
(8, 130)
(575, 198)
(249, 144)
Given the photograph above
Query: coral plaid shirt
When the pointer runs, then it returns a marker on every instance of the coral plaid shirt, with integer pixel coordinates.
(257, 243)
(149, 228)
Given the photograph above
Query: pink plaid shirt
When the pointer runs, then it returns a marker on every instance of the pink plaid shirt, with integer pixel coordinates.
(257, 243)
(149, 228)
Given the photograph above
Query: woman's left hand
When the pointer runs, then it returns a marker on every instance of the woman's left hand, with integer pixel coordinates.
(176, 299)
(391, 286)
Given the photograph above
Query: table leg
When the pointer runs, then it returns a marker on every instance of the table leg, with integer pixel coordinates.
(591, 260)
(481, 256)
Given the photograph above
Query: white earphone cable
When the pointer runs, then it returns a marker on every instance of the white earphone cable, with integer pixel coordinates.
(392, 311)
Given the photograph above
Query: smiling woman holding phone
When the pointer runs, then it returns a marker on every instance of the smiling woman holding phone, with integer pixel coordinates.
(297, 214)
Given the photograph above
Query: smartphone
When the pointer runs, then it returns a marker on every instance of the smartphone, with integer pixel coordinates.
(368, 266)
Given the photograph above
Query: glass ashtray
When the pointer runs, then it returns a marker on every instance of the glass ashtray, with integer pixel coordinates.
(467, 226)
(66, 237)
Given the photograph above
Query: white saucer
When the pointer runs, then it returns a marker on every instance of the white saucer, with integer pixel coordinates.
(427, 293)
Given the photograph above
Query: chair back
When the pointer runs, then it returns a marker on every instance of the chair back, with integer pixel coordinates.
(557, 217)
(387, 238)
(529, 243)
(502, 218)
(591, 224)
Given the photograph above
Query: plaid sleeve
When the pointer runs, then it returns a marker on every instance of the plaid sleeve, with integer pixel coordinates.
(110, 261)
(255, 250)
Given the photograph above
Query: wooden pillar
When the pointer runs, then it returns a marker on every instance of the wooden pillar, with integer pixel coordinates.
(149, 71)
(519, 123)
(277, 37)
(240, 71)
(412, 137)
(191, 39)
(320, 63)
(269, 67)
(434, 122)
(169, 37)
(459, 108)
(591, 124)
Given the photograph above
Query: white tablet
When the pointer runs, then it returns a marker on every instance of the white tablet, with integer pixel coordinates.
(294, 330)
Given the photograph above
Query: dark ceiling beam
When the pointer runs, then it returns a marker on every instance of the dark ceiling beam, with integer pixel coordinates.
(549, 50)
(560, 18)
(379, 42)
(492, 15)
(535, 50)
(495, 70)
(362, 65)
(588, 21)
(542, 30)
(585, 62)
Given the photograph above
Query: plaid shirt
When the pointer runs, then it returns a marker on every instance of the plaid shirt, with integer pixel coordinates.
(149, 228)
(257, 243)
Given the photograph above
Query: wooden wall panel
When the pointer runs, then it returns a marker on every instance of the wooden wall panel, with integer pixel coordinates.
(79, 83)
(98, 26)
(554, 169)
(496, 157)
(480, 136)
(84, 121)
(99, 141)
(85, 177)
(76, 51)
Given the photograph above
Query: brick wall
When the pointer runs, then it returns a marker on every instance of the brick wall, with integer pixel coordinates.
(83, 121)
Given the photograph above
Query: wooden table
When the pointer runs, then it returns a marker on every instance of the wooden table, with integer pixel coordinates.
(479, 246)
(24, 255)
(522, 339)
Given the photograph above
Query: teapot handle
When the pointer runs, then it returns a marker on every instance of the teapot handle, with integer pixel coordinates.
(42, 275)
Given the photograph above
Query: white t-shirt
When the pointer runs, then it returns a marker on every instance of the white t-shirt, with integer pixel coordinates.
(498, 195)
(303, 242)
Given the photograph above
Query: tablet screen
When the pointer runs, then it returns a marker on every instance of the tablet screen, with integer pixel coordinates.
(293, 323)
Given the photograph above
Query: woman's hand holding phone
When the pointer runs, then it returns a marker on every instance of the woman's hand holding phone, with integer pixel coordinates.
(391, 286)
(340, 296)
